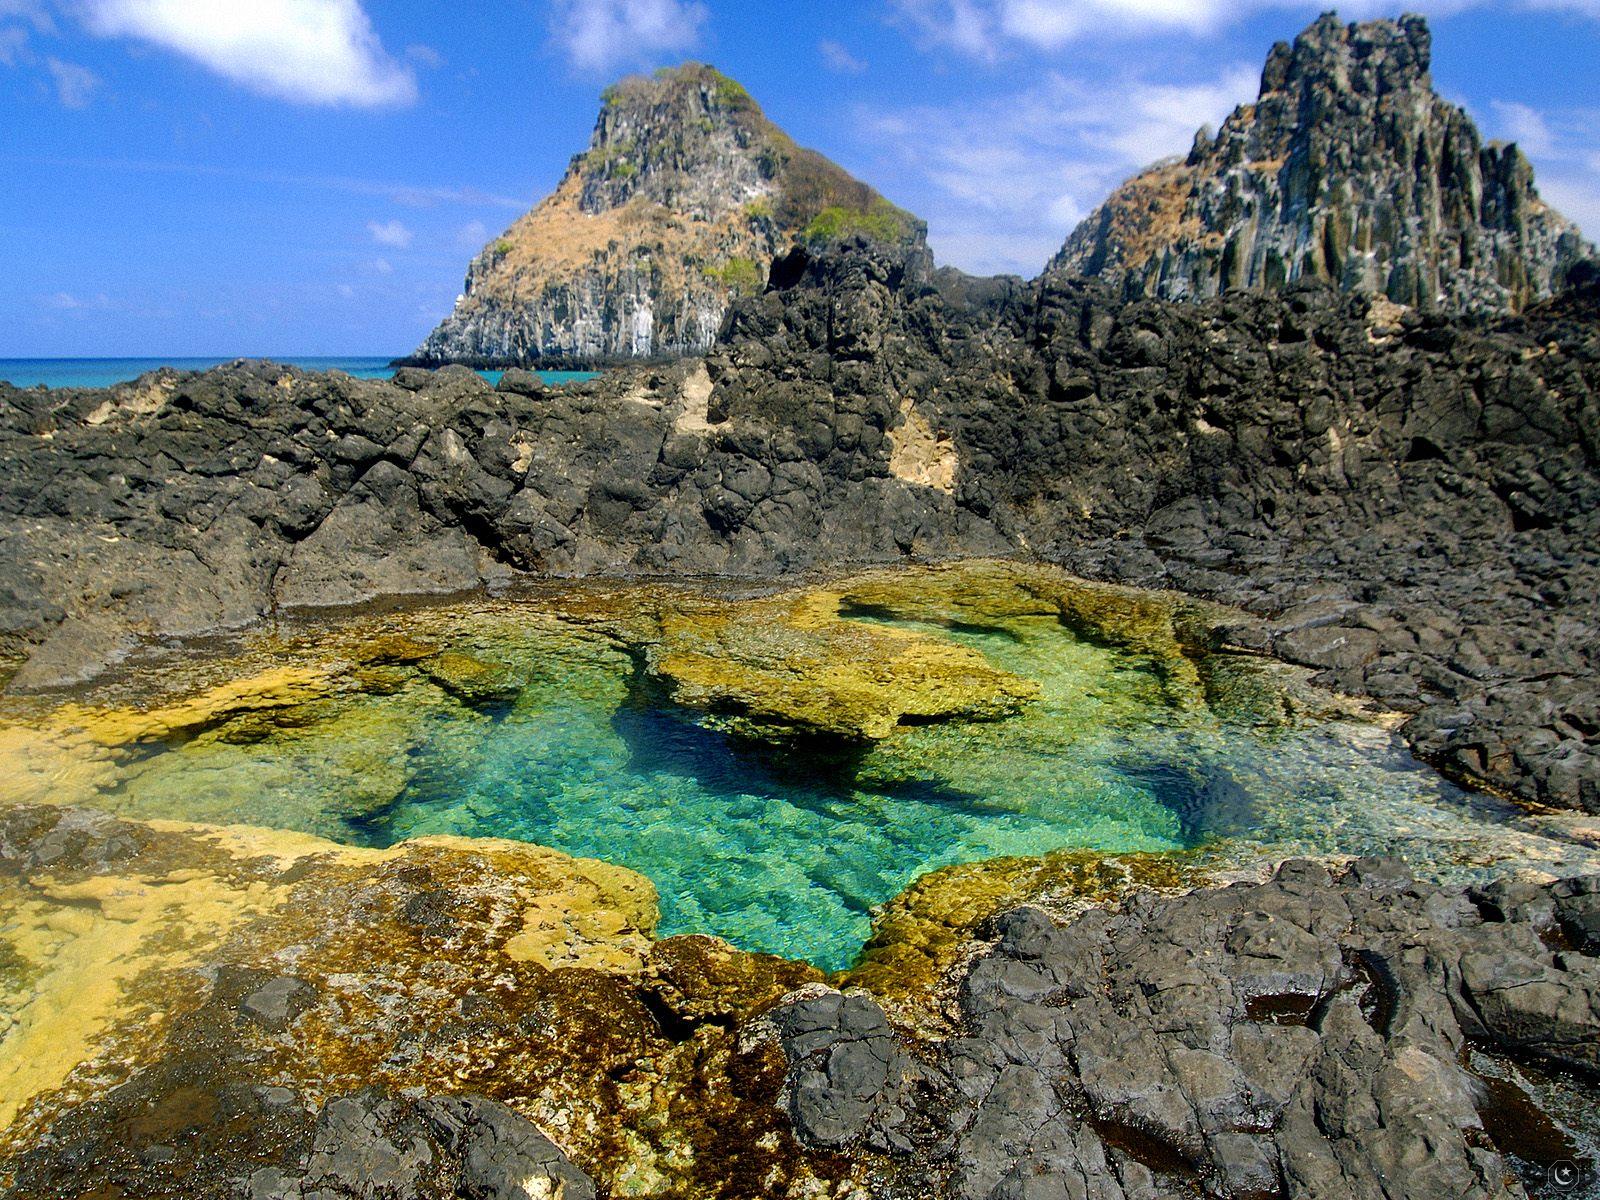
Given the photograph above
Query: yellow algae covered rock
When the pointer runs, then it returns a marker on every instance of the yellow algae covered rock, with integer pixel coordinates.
(923, 933)
(1162, 629)
(789, 666)
(704, 978)
(107, 918)
(473, 681)
(272, 690)
(73, 752)
(198, 1004)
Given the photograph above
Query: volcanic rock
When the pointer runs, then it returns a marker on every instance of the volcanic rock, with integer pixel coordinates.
(1310, 1036)
(684, 196)
(1350, 169)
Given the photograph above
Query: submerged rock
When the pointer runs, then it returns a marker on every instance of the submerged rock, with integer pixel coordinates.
(473, 681)
(791, 668)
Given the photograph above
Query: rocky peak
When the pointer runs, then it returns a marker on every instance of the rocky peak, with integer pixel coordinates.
(686, 193)
(1348, 168)
(1373, 59)
(657, 135)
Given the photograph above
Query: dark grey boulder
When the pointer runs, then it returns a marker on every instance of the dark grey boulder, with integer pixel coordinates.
(1307, 1037)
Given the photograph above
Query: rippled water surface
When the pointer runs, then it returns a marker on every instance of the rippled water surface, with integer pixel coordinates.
(777, 847)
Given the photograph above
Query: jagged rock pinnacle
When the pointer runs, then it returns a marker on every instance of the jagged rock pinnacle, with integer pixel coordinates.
(1348, 168)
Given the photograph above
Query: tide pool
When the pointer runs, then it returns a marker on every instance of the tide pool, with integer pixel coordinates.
(554, 719)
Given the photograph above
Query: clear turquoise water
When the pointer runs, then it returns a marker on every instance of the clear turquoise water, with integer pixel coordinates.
(780, 851)
(104, 372)
(789, 851)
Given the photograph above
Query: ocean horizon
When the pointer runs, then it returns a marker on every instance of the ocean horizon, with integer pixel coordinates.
(106, 372)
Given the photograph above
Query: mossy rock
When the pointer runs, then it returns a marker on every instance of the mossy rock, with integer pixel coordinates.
(1161, 630)
(702, 978)
(920, 935)
(472, 681)
(791, 668)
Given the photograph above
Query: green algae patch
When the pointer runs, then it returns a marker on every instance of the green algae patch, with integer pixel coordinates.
(1166, 633)
(891, 759)
(473, 681)
(778, 765)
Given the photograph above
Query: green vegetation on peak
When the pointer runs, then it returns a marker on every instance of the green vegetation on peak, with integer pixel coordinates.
(727, 93)
(880, 221)
(730, 92)
(685, 170)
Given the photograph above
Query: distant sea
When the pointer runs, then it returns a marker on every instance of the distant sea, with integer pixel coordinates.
(103, 372)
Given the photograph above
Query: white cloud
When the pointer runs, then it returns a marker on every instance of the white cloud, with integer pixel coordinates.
(1011, 177)
(75, 85)
(68, 303)
(391, 233)
(381, 266)
(1524, 125)
(840, 59)
(472, 235)
(599, 35)
(308, 51)
(13, 46)
(30, 12)
(395, 192)
(1577, 198)
(30, 16)
(425, 56)
(987, 28)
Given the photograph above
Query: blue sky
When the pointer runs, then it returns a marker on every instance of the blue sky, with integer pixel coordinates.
(297, 177)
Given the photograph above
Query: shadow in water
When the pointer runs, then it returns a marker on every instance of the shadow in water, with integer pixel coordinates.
(817, 774)
(884, 615)
(1207, 797)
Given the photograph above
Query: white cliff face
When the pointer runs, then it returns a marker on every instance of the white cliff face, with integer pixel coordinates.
(1347, 169)
(685, 195)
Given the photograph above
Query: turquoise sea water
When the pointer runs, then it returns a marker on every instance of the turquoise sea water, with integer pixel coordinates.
(103, 372)
(786, 850)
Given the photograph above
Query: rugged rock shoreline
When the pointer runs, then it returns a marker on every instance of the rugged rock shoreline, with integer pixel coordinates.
(1407, 501)
(1403, 500)
(1309, 1036)
(496, 1020)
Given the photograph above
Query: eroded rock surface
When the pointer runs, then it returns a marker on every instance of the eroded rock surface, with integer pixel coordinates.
(1349, 169)
(1408, 502)
(791, 668)
(1304, 1037)
(226, 1013)
(684, 196)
